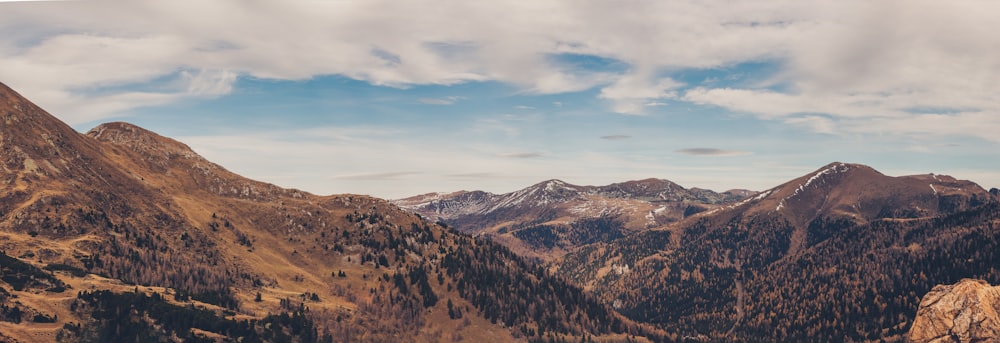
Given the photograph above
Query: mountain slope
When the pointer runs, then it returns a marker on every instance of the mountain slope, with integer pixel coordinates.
(855, 193)
(853, 190)
(548, 219)
(836, 254)
(141, 222)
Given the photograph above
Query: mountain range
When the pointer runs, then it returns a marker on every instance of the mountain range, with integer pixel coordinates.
(814, 257)
(839, 254)
(548, 219)
(121, 234)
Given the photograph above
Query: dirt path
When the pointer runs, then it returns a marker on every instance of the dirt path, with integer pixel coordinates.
(740, 300)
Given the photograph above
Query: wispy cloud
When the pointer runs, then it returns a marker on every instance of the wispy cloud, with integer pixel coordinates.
(521, 154)
(616, 137)
(377, 176)
(440, 101)
(472, 176)
(712, 152)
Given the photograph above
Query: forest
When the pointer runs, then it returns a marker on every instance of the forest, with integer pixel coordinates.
(738, 281)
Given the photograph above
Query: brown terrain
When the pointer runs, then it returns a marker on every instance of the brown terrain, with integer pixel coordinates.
(122, 234)
(124, 209)
(836, 254)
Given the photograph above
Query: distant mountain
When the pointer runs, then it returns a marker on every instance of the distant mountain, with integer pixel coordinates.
(855, 193)
(121, 234)
(838, 254)
(862, 193)
(552, 217)
(124, 235)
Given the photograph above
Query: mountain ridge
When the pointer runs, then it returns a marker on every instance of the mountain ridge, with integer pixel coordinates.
(552, 217)
(100, 225)
(772, 267)
(122, 218)
(859, 191)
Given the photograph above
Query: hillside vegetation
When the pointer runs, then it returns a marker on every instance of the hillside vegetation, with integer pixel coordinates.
(122, 234)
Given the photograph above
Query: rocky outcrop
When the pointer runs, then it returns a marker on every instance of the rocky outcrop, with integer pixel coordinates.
(963, 312)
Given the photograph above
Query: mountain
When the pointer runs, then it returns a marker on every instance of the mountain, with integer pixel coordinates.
(121, 234)
(835, 255)
(550, 218)
(963, 312)
(473, 210)
(854, 193)
(861, 192)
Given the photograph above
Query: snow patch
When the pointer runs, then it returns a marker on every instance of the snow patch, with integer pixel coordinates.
(932, 187)
(594, 209)
(552, 185)
(840, 168)
(538, 195)
(758, 197)
(651, 216)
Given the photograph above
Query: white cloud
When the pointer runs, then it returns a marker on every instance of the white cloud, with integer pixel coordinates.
(865, 65)
(532, 154)
(632, 93)
(209, 82)
(861, 64)
(74, 46)
(814, 123)
(377, 176)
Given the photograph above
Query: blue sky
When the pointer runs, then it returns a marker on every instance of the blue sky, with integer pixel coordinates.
(396, 99)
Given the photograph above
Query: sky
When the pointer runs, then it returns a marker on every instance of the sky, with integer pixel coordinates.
(399, 98)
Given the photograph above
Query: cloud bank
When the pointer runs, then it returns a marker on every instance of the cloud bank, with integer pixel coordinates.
(842, 66)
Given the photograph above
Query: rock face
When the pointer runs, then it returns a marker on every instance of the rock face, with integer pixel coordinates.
(963, 312)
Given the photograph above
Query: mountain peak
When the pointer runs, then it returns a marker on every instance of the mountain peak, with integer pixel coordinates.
(843, 167)
(552, 183)
(860, 192)
(553, 187)
(141, 140)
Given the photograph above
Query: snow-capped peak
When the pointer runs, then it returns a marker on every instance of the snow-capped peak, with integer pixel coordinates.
(832, 169)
